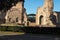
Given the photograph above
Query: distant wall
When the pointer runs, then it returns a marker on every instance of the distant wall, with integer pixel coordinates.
(58, 17)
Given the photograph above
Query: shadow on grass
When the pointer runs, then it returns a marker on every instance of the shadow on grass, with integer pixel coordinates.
(33, 30)
(32, 33)
(30, 36)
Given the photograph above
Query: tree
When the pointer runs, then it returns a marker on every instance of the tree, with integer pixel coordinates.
(31, 17)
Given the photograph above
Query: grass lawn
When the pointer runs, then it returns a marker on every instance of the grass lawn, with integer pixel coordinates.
(11, 33)
(9, 25)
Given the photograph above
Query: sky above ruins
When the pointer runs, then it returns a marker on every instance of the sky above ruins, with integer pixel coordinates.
(32, 5)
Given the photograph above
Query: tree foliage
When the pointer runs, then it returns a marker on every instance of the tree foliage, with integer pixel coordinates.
(7, 4)
(31, 17)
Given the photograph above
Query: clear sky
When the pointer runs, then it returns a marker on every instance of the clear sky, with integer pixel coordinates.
(32, 5)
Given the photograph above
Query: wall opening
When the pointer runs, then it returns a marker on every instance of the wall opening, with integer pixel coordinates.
(40, 19)
(17, 19)
(53, 19)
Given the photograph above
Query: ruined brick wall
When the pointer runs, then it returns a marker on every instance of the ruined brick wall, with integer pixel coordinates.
(15, 14)
(44, 13)
(12, 11)
(58, 17)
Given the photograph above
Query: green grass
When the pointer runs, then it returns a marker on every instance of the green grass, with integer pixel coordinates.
(9, 25)
(11, 33)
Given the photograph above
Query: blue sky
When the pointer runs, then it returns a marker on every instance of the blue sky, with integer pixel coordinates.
(32, 5)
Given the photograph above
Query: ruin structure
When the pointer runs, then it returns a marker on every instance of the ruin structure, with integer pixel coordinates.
(45, 15)
(14, 12)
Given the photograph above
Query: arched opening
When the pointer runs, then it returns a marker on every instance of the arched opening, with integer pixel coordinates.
(40, 19)
(53, 19)
(17, 19)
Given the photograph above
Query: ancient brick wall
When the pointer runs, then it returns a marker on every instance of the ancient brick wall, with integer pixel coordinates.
(44, 13)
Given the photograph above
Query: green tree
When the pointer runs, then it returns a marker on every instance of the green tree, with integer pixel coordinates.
(32, 17)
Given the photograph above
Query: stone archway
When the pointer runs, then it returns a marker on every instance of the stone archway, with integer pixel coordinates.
(40, 19)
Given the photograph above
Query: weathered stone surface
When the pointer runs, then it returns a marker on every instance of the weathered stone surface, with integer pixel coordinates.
(15, 14)
(45, 14)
